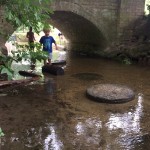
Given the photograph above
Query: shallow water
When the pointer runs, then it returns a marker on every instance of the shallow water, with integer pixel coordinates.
(54, 113)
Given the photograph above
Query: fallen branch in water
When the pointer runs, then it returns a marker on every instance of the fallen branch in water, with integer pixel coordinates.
(28, 74)
(4, 84)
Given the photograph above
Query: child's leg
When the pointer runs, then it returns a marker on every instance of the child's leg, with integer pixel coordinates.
(50, 58)
(49, 61)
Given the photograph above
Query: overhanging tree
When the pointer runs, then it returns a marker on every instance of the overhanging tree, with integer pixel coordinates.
(26, 12)
(16, 13)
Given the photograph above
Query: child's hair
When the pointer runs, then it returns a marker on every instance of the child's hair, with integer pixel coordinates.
(46, 30)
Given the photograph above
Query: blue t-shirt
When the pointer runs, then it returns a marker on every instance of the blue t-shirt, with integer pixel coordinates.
(47, 42)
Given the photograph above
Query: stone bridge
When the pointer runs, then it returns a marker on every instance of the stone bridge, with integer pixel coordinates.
(94, 24)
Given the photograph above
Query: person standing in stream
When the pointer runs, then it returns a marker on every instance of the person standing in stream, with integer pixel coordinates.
(31, 38)
(47, 42)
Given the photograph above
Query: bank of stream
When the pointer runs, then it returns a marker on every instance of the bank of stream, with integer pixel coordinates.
(55, 114)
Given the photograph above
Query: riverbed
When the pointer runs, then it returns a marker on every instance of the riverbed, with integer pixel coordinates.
(55, 114)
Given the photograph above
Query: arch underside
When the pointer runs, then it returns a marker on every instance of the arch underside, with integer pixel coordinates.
(80, 32)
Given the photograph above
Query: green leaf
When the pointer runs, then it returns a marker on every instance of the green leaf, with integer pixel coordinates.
(7, 71)
(29, 12)
(1, 133)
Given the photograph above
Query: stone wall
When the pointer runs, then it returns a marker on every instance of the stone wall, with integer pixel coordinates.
(102, 13)
(130, 11)
(114, 18)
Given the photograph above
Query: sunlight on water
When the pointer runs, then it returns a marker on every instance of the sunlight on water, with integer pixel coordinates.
(52, 141)
(128, 122)
(89, 130)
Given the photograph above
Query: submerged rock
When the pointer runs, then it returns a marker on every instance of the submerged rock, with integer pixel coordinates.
(110, 93)
(88, 76)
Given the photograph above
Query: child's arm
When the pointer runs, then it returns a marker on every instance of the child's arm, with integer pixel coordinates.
(56, 46)
(55, 43)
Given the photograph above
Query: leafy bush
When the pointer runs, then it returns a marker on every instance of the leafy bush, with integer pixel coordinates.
(1, 133)
(24, 52)
(26, 12)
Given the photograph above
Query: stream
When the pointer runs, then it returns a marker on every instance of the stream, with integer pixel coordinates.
(55, 114)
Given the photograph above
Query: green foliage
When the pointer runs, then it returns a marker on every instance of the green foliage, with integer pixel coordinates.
(30, 54)
(124, 59)
(6, 67)
(1, 133)
(27, 12)
(148, 8)
(127, 61)
(24, 52)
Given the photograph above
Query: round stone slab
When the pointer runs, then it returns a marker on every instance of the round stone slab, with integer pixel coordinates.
(110, 93)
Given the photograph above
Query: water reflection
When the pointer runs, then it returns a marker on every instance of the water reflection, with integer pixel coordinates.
(39, 122)
(45, 138)
(52, 141)
(129, 123)
(121, 131)
(89, 130)
(50, 85)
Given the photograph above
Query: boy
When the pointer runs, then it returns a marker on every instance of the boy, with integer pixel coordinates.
(47, 42)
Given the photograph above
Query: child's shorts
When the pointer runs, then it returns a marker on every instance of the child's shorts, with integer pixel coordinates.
(50, 56)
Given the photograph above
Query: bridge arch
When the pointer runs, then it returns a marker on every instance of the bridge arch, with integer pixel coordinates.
(80, 32)
(80, 26)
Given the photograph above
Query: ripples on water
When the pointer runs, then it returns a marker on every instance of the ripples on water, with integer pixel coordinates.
(54, 114)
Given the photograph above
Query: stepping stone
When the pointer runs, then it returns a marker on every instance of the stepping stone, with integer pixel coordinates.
(52, 69)
(110, 93)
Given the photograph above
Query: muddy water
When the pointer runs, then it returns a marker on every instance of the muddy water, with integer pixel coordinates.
(54, 113)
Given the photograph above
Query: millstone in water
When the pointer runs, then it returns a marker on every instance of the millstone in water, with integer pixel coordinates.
(88, 76)
(110, 93)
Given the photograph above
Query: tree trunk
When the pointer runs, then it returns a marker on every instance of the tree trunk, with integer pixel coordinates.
(6, 29)
(4, 84)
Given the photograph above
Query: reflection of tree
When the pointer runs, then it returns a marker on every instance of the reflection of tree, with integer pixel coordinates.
(43, 137)
(25, 116)
(40, 138)
(50, 86)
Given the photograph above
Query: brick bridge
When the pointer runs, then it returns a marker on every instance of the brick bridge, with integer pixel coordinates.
(94, 24)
